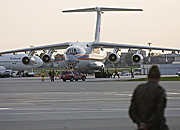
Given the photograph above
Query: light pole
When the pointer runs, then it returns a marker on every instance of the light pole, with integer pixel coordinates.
(149, 60)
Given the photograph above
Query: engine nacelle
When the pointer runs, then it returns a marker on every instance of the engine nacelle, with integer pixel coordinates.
(46, 58)
(113, 57)
(137, 58)
(28, 60)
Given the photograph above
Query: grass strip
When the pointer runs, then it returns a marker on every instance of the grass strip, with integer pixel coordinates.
(162, 79)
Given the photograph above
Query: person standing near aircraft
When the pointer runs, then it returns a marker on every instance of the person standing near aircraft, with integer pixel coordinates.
(116, 73)
(57, 75)
(148, 103)
(52, 76)
(108, 74)
(42, 75)
(132, 73)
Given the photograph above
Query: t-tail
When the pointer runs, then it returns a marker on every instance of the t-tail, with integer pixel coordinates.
(99, 10)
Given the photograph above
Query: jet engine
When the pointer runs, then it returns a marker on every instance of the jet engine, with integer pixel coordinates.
(27, 60)
(46, 58)
(113, 57)
(137, 58)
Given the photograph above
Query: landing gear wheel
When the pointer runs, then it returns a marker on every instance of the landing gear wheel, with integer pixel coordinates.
(83, 78)
(64, 80)
(71, 79)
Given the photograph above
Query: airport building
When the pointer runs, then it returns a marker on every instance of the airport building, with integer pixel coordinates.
(169, 64)
(164, 59)
(165, 69)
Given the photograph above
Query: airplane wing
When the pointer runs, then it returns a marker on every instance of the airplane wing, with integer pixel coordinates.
(45, 47)
(118, 45)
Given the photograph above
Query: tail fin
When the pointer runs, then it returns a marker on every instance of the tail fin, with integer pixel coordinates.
(99, 11)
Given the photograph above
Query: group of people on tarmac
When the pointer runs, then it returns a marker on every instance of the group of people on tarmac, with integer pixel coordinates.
(118, 74)
(53, 75)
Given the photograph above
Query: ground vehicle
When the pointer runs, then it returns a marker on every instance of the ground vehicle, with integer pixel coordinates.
(178, 73)
(4, 75)
(137, 71)
(37, 75)
(126, 73)
(71, 75)
(30, 74)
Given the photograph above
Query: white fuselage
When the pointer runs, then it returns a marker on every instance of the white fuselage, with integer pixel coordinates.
(83, 57)
(14, 62)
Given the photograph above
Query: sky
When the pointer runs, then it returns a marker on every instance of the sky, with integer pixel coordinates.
(25, 23)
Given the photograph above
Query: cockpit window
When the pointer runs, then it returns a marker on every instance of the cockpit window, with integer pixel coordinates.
(73, 51)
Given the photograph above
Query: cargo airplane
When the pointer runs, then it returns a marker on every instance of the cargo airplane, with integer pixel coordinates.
(87, 57)
(16, 62)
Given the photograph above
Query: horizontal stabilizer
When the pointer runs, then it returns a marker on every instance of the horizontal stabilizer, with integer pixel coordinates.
(80, 10)
(100, 9)
(119, 9)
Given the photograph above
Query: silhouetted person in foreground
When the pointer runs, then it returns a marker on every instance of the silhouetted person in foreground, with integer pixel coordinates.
(148, 104)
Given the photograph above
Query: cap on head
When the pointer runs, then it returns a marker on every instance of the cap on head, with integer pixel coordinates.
(154, 72)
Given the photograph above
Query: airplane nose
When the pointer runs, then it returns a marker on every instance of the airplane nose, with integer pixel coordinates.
(70, 61)
(70, 58)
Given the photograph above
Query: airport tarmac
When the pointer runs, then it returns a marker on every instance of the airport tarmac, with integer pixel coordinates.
(96, 104)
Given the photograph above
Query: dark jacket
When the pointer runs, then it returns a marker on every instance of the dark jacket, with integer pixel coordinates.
(148, 104)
